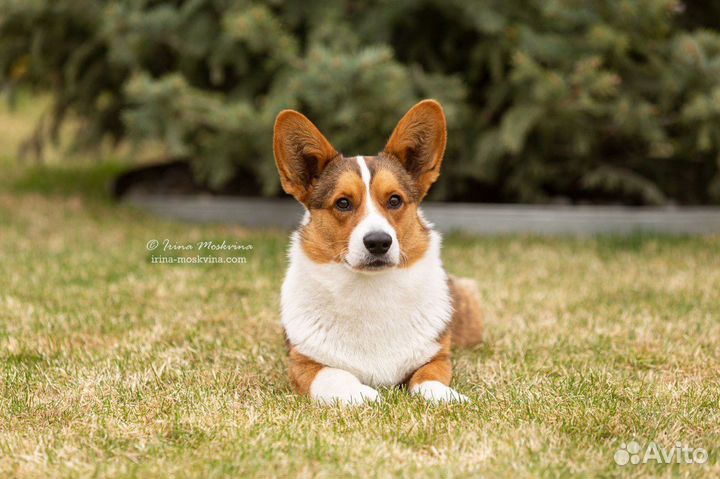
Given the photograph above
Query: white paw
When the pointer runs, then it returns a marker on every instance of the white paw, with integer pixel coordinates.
(437, 392)
(335, 386)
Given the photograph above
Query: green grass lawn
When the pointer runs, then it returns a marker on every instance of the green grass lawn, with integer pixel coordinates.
(111, 366)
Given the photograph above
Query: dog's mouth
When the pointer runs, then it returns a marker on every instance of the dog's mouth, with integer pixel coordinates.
(372, 265)
(377, 264)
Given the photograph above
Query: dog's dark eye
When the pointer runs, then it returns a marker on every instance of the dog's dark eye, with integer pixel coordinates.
(394, 202)
(343, 204)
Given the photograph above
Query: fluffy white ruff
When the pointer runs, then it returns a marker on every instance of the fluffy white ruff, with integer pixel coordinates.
(437, 392)
(335, 386)
(380, 327)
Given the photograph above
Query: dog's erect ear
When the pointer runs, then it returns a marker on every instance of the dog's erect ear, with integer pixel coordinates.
(301, 153)
(418, 141)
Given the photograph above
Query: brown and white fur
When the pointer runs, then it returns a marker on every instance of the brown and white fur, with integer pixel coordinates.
(366, 301)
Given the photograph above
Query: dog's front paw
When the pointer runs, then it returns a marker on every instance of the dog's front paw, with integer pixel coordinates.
(335, 386)
(437, 392)
(351, 396)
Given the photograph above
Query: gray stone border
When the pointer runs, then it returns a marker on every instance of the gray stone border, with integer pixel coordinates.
(471, 218)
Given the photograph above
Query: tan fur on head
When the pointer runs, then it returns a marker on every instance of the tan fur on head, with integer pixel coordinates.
(325, 238)
(317, 175)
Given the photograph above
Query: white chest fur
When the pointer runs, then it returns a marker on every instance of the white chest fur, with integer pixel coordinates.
(380, 326)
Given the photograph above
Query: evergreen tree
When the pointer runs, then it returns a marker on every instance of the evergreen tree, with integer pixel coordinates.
(555, 100)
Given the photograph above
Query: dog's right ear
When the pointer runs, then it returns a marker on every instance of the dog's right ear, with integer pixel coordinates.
(301, 153)
(418, 142)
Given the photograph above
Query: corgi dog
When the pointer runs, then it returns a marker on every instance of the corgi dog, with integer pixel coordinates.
(366, 301)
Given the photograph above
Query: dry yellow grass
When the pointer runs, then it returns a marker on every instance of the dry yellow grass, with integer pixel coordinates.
(114, 367)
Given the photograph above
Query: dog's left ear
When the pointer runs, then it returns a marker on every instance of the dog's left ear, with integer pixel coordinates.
(418, 142)
(301, 153)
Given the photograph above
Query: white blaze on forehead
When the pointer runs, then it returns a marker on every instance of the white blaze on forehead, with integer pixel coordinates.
(366, 177)
(372, 221)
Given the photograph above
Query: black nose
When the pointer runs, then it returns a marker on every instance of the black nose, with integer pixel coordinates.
(377, 242)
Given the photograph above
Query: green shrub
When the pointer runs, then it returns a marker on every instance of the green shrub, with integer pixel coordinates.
(547, 100)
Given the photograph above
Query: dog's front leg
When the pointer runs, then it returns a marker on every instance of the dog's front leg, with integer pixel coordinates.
(327, 385)
(432, 380)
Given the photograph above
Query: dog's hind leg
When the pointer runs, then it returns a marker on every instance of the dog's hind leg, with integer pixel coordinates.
(467, 319)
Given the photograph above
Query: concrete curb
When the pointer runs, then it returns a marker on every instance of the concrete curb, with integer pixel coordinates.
(470, 218)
